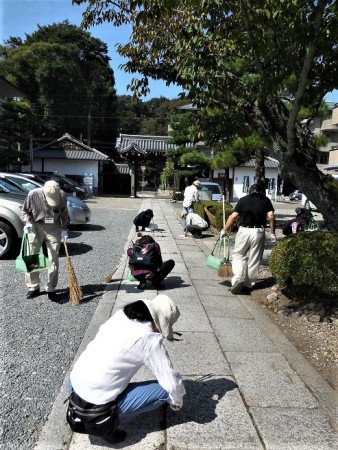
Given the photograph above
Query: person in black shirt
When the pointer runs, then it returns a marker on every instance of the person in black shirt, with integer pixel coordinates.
(253, 210)
(143, 219)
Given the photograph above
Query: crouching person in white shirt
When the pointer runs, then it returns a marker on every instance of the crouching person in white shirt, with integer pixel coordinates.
(102, 396)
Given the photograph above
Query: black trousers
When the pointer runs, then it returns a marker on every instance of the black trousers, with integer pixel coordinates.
(159, 276)
(195, 230)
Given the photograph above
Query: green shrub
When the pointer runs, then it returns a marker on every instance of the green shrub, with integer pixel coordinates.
(216, 209)
(306, 266)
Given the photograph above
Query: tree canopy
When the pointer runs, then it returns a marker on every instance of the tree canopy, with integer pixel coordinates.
(243, 62)
(66, 76)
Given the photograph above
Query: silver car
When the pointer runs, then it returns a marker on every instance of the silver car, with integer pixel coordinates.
(79, 213)
(11, 227)
(210, 191)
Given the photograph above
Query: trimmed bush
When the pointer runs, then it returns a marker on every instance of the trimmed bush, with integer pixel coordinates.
(306, 266)
(216, 209)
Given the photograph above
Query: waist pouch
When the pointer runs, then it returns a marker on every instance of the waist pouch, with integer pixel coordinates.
(88, 418)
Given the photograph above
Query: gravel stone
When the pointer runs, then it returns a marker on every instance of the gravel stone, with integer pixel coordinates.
(39, 338)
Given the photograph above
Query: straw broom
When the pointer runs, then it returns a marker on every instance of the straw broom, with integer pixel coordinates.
(109, 278)
(75, 291)
(225, 269)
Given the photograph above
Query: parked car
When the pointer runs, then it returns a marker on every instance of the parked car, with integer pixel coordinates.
(67, 185)
(295, 195)
(209, 188)
(11, 226)
(79, 213)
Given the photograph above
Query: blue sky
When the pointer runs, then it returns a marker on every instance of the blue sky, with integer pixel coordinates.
(21, 17)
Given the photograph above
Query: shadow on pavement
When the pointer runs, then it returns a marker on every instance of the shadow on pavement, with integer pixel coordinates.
(200, 404)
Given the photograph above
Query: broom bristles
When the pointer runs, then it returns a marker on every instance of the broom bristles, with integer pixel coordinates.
(75, 291)
(225, 270)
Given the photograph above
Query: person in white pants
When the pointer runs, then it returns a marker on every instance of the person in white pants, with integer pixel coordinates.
(253, 211)
(45, 215)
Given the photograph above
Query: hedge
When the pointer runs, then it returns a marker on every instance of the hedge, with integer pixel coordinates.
(306, 266)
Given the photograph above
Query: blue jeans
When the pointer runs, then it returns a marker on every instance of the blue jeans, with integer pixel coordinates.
(138, 398)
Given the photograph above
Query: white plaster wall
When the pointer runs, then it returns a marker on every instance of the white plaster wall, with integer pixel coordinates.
(67, 167)
(241, 172)
(238, 175)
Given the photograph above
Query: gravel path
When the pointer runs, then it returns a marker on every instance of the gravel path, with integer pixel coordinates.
(40, 338)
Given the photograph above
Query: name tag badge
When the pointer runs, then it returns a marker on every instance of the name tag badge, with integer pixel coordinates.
(49, 219)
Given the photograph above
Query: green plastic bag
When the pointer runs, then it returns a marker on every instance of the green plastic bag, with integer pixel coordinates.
(214, 260)
(130, 277)
(29, 263)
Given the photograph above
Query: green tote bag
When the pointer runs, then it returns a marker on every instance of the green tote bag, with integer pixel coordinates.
(27, 262)
(214, 260)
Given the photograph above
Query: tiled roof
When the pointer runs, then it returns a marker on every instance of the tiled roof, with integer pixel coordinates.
(67, 147)
(8, 89)
(144, 144)
(269, 162)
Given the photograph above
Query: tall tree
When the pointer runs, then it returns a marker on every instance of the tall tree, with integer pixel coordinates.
(188, 161)
(66, 75)
(248, 58)
(15, 127)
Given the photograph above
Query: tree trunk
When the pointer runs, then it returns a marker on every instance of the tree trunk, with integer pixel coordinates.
(298, 161)
(260, 166)
(226, 185)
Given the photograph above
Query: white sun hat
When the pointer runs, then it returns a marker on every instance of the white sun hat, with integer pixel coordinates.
(164, 313)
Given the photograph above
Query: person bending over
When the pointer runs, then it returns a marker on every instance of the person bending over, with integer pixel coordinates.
(145, 261)
(142, 220)
(130, 339)
(45, 215)
(193, 223)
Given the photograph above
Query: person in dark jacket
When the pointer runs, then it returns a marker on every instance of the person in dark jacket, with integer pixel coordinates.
(157, 270)
(142, 220)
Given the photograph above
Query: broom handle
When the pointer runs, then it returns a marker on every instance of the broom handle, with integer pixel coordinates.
(66, 249)
(223, 224)
(228, 245)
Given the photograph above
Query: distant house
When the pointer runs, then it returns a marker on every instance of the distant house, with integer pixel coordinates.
(69, 157)
(243, 177)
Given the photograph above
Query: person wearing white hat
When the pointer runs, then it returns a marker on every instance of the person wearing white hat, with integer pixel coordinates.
(45, 218)
(130, 339)
(191, 196)
(194, 224)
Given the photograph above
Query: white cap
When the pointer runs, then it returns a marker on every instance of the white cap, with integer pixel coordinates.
(51, 189)
(197, 183)
(164, 313)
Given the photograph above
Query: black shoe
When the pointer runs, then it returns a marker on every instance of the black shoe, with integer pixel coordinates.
(32, 294)
(237, 287)
(142, 285)
(52, 296)
(246, 290)
(116, 437)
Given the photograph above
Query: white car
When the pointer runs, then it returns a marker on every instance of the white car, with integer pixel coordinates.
(209, 189)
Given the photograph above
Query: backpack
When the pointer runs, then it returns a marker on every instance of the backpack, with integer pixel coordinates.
(144, 256)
